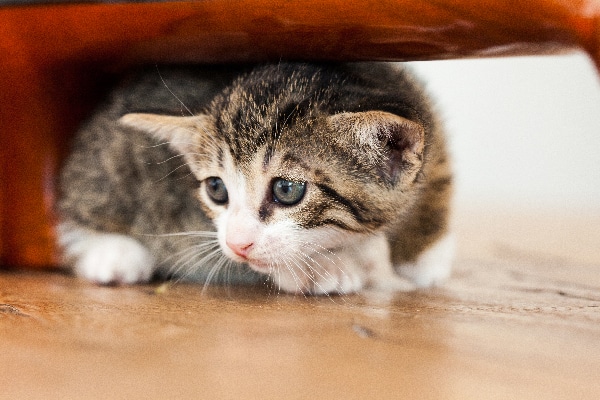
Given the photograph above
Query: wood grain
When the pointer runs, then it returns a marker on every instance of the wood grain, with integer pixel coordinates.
(519, 319)
(54, 60)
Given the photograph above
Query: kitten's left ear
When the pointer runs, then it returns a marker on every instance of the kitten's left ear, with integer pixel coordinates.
(182, 133)
(376, 130)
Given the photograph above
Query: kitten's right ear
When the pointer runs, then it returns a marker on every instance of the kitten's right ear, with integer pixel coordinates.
(182, 133)
(379, 133)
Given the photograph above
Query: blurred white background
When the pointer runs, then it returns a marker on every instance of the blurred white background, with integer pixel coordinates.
(523, 131)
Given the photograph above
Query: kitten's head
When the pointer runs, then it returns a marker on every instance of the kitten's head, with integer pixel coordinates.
(285, 179)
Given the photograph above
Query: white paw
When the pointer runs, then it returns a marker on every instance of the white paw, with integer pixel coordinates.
(107, 258)
(317, 280)
(115, 259)
(433, 266)
(339, 282)
(326, 274)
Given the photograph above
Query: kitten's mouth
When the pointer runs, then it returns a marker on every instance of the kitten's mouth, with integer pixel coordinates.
(260, 266)
(255, 264)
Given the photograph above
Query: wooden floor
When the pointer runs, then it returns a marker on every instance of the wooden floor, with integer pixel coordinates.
(520, 319)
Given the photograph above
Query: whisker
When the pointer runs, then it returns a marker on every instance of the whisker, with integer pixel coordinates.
(311, 246)
(312, 270)
(216, 268)
(165, 161)
(295, 277)
(170, 91)
(172, 172)
(192, 258)
(321, 272)
(209, 234)
(197, 249)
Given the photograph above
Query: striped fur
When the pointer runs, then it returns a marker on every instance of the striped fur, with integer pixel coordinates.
(361, 137)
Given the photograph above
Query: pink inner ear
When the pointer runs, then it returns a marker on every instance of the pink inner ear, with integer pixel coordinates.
(401, 134)
(404, 140)
(370, 127)
(182, 133)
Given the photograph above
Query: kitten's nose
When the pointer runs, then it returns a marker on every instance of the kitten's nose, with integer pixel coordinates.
(241, 249)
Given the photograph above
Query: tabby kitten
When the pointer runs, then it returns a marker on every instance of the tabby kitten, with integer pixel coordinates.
(320, 178)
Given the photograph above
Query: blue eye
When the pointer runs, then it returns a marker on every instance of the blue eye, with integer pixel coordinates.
(288, 192)
(216, 190)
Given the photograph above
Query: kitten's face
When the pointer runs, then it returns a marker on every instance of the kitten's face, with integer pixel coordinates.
(269, 215)
(286, 193)
(285, 207)
(288, 214)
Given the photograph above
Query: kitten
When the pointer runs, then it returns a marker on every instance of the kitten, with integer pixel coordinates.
(321, 178)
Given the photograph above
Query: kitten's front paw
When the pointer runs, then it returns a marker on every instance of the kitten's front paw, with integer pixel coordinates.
(433, 267)
(319, 280)
(338, 282)
(114, 259)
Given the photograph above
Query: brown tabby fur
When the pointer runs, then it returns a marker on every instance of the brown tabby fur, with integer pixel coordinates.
(282, 120)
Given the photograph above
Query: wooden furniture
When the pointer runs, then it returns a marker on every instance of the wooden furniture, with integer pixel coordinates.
(56, 59)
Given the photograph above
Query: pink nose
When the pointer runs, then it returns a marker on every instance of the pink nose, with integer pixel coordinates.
(241, 249)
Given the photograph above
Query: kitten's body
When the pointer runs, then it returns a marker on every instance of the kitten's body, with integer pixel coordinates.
(357, 144)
